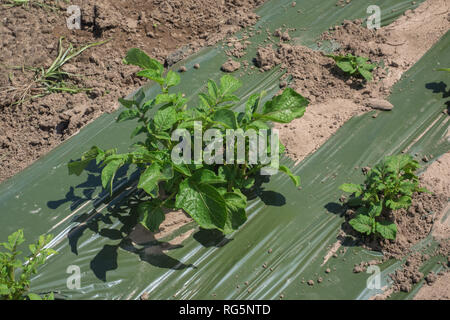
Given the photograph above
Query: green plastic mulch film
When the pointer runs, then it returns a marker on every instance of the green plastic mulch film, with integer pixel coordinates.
(91, 228)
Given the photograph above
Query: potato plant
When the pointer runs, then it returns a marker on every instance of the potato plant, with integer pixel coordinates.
(354, 66)
(213, 194)
(15, 274)
(388, 186)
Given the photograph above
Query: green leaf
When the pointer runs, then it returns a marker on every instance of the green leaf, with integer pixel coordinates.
(127, 103)
(236, 203)
(138, 130)
(150, 215)
(139, 58)
(351, 188)
(213, 90)
(285, 107)
(150, 177)
(229, 84)
(16, 238)
(366, 74)
(165, 98)
(295, 179)
(182, 168)
(368, 66)
(128, 114)
(402, 202)
(109, 171)
(172, 79)
(165, 118)
(375, 210)
(77, 167)
(33, 296)
(227, 117)
(362, 224)
(151, 75)
(346, 66)
(203, 203)
(387, 230)
(207, 176)
(4, 290)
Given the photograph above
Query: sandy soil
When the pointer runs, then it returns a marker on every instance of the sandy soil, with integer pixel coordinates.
(437, 178)
(334, 97)
(167, 30)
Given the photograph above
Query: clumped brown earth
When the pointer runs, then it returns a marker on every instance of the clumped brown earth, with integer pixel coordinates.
(167, 30)
(335, 97)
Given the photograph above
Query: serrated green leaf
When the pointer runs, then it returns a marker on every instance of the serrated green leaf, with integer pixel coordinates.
(366, 74)
(77, 167)
(213, 90)
(295, 179)
(387, 230)
(362, 224)
(236, 203)
(228, 85)
(109, 171)
(165, 98)
(33, 296)
(128, 114)
(138, 130)
(226, 117)
(346, 66)
(402, 202)
(350, 188)
(149, 178)
(165, 118)
(203, 203)
(139, 58)
(207, 176)
(150, 216)
(172, 79)
(4, 290)
(285, 107)
(127, 103)
(151, 75)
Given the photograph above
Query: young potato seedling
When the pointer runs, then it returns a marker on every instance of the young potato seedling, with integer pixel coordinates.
(354, 66)
(15, 274)
(213, 194)
(388, 186)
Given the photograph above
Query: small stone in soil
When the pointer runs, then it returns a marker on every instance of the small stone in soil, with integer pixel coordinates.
(182, 69)
(311, 282)
(196, 66)
(230, 66)
(379, 104)
(327, 270)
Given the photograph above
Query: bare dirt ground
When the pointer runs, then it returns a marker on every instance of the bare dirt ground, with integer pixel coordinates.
(167, 30)
(334, 97)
